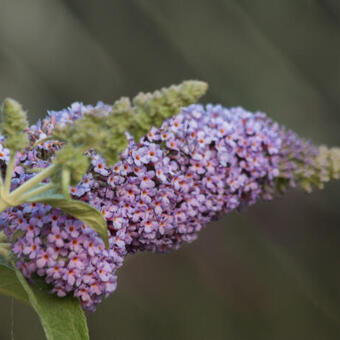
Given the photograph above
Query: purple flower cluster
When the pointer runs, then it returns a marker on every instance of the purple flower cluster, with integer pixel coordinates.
(70, 255)
(204, 162)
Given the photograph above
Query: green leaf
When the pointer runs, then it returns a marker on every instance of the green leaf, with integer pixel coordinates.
(78, 209)
(61, 318)
(9, 284)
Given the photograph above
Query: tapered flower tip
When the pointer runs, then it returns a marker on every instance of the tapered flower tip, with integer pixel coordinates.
(13, 124)
(12, 105)
(185, 93)
(196, 88)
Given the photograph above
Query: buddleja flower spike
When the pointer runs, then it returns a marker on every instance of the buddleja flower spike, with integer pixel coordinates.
(88, 185)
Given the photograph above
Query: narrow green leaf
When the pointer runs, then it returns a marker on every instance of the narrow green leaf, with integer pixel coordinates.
(61, 318)
(78, 209)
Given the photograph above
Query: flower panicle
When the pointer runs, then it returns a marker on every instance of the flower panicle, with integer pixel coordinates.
(202, 163)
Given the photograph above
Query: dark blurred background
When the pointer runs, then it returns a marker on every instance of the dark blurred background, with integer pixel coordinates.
(271, 272)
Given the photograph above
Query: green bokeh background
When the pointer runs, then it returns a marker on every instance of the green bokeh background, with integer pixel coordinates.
(271, 272)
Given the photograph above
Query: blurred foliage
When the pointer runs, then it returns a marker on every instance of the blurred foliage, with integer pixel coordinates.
(270, 273)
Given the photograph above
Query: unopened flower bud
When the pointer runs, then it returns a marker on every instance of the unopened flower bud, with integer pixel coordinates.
(14, 125)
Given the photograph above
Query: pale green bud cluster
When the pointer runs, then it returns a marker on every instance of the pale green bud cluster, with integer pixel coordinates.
(152, 109)
(325, 168)
(327, 164)
(14, 125)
